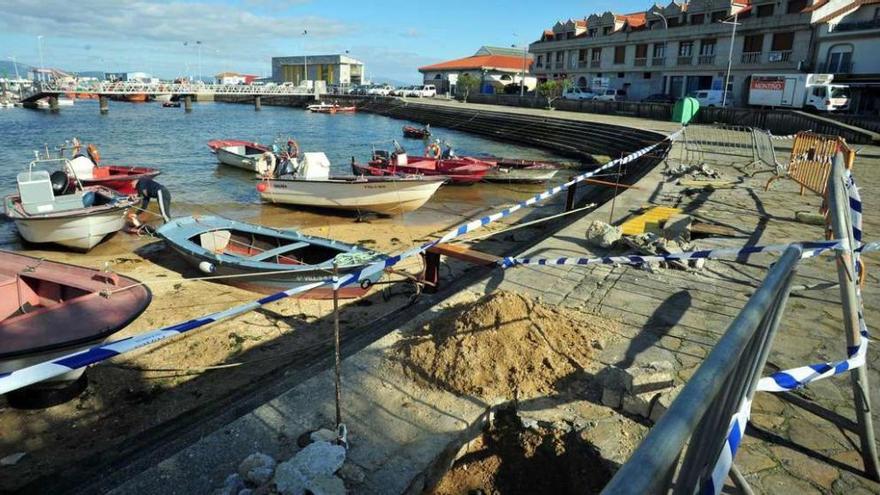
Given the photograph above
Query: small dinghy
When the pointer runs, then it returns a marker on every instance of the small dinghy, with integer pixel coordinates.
(50, 309)
(512, 170)
(331, 108)
(45, 211)
(458, 171)
(416, 132)
(265, 259)
(310, 184)
(244, 156)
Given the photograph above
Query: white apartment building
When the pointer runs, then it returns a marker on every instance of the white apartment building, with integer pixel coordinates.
(684, 47)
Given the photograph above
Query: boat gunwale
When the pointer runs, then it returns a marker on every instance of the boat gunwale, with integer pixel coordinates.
(17, 213)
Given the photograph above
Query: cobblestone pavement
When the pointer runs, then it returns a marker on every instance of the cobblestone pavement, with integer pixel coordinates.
(801, 443)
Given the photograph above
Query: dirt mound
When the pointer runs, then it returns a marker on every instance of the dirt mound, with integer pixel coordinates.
(503, 346)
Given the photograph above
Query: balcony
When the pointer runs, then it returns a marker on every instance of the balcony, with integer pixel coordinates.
(583, 64)
(706, 60)
(685, 60)
(854, 26)
(640, 62)
(559, 65)
(779, 56)
(751, 57)
(658, 61)
(595, 64)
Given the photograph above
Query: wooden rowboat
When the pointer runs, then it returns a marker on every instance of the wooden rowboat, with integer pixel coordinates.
(265, 259)
(50, 309)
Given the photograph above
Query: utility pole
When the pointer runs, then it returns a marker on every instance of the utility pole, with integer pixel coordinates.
(522, 82)
(305, 59)
(730, 52)
(40, 49)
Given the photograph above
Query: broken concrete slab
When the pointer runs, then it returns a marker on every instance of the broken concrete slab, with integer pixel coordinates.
(603, 235)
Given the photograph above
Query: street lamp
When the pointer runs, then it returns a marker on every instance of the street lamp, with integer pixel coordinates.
(15, 64)
(40, 49)
(305, 60)
(730, 52)
(665, 22)
(522, 82)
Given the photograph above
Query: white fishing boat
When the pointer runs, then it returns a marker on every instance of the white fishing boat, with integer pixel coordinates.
(309, 184)
(44, 211)
(244, 156)
(6, 104)
(62, 102)
(162, 97)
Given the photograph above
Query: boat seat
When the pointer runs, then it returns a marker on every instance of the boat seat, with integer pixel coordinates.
(277, 251)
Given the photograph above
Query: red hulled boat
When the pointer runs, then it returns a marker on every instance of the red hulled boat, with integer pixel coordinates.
(458, 170)
(122, 178)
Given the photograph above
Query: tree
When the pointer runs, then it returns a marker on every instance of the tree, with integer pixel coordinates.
(465, 85)
(552, 90)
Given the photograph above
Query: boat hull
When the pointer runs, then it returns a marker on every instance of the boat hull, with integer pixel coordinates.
(82, 232)
(520, 175)
(241, 265)
(387, 196)
(162, 97)
(243, 161)
(119, 178)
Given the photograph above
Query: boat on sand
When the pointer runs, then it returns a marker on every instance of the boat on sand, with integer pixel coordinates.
(50, 309)
(308, 183)
(265, 259)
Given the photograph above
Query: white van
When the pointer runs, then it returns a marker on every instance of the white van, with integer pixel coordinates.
(576, 93)
(610, 95)
(426, 91)
(710, 97)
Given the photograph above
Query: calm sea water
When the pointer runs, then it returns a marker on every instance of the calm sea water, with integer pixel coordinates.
(175, 142)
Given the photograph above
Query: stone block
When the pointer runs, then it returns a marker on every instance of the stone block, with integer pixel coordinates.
(656, 375)
(612, 397)
(663, 401)
(639, 404)
(603, 235)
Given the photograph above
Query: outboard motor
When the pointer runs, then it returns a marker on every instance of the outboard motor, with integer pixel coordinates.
(60, 182)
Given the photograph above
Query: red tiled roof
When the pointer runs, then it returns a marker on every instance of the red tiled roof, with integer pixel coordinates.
(635, 20)
(479, 62)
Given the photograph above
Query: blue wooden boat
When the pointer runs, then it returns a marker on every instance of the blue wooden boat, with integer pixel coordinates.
(285, 258)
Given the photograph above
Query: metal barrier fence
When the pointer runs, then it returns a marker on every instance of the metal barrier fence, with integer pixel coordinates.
(693, 446)
(811, 158)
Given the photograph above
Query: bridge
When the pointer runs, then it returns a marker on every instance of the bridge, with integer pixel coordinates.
(185, 91)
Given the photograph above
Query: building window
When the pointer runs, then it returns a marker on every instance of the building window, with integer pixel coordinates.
(765, 10)
(698, 19)
(539, 62)
(659, 50)
(596, 54)
(839, 60)
(685, 48)
(592, 32)
(619, 54)
(782, 42)
(621, 75)
(796, 6)
(607, 30)
(674, 21)
(753, 43)
(646, 75)
(707, 47)
(744, 13)
(569, 35)
(719, 16)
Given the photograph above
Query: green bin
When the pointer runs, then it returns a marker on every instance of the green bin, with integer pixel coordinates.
(684, 110)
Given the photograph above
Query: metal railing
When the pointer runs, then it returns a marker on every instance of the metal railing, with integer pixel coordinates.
(751, 57)
(658, 61)
(700, 416)
(693, 446)
(640, 62)
(685, 60)
(595, 63)
(854, 26)
(779, 56)
(127, 88)
(706, 59)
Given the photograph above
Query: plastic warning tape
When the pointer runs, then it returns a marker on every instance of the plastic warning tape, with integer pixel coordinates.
(56, 367)
(713, 484)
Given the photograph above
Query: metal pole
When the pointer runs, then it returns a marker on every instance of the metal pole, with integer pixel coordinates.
(840, 224)
(730, 57)
(15, 64)
(522, 82)
(40, 48)
(336, 342)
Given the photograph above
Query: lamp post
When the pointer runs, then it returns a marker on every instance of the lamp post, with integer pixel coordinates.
(665, 22)
(522, 81)
(305, 60)
(730, 52)
(15, 65)
(199, 51)
(40, 49)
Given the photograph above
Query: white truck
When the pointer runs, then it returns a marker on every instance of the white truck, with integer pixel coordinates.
(809, 91)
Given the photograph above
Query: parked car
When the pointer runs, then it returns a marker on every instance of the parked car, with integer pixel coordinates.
(380, 90)
(426, 91)
(710, 97)
(611, 95)
(575, 93)
(660, 98)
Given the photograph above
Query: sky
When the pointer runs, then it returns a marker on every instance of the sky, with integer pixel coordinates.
(393, 38)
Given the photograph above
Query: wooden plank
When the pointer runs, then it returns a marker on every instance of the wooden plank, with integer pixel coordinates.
(464, 253)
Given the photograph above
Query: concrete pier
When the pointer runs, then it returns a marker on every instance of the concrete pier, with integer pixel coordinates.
(258, 103)
(53, 103)
(188, 103)
(104, 103)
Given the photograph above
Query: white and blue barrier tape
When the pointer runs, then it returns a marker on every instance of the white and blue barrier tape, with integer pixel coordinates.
(713, 484)
(56, 367)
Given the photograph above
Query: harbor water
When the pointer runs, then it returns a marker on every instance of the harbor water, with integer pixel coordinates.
(174, 142)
